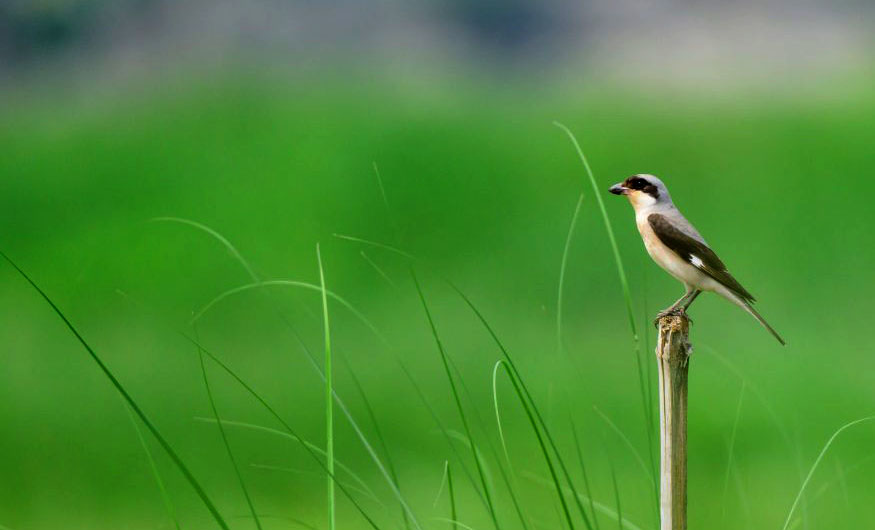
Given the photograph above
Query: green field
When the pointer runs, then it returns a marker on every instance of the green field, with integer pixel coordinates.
(481, 188)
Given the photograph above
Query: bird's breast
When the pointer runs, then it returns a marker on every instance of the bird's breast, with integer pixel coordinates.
(667, 258)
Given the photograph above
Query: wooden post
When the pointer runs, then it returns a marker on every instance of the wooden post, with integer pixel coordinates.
(672, 356)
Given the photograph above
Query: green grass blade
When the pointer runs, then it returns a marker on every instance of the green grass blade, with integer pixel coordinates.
(729, 459)
(396, 228)
(440, 490)
(386, 473)
(130, 400)
(286, 283)
(452, 495)
(444, 431)
(841, 474)
(628, 443)
(219, 237)
(627, 295)
(528, 401)
(455, 523)
(601, 507)
(376, 244)
(458, 402)
(413, 258)
(391, 477)
(582, 462)
(293, 471)
(541, 444)
(817, 462)
(362, 485)
(649, 377)
(283, 518)
(562, 273)
(598, 195)
(379, 432)
(288, 428)
(497, 414)
(165, 496)
(616, 493)
(329, 399)
(225, 441)
(506, 476)
(377, 268)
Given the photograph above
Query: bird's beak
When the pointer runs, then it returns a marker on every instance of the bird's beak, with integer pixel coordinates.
(618, 189)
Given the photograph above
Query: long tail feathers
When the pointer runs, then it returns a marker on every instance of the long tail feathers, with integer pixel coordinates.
(749, 308)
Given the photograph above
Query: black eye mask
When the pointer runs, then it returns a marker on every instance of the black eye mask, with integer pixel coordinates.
(640, 184)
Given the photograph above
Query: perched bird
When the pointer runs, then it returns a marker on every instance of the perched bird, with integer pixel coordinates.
(676, 246)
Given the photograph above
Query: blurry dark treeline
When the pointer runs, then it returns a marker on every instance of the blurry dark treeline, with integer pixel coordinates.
(34, 33)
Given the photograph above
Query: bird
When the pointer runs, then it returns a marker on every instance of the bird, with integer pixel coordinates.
(676, 246)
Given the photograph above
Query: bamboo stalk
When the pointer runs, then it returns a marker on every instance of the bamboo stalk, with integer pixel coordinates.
(672, 356)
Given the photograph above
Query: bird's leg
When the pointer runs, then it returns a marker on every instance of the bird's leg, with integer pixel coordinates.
(692, 298)
(678, 308)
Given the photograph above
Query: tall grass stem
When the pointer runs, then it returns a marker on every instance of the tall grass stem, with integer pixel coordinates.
(329, 399)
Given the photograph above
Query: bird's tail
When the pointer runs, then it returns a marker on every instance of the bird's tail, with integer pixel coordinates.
(749, 308)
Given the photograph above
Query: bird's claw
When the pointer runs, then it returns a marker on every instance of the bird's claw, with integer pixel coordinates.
(672, 311)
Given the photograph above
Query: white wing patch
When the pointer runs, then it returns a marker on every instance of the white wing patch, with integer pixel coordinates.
(696, 262)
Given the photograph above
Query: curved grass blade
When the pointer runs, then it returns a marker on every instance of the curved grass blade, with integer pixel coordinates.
(543, 447)
(377, 268)
(601, 507)
(527, 402)
(392, 476)
(286, 426)
(627, 295)
(364, 440)
(311, 446)
(562, 273)
(165, 496)
(130, 400)
(310, 451)
(411, 257)
(396, 228)
(291, 520)
(817, 462)
(627, 442)
(497, 414)
(452, 494)
(506, 355)
(377, 244)
(458, 402)
(329, 401)
(616, 492)
(729, 459)
(444, 431)
(501, 347)
(616, 249)
(224, 437)
(440, 490)
(454, 522)
(293, 471)
(219, 237)
(379, 432)
(287, 283)
(595, 520)
(509, 481)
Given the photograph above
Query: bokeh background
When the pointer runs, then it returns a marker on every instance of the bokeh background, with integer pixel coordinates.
(264, 120)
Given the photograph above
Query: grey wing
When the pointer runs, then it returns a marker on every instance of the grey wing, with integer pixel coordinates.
(696, 253)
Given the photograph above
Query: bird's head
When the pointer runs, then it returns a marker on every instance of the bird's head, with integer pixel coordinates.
(642, 190)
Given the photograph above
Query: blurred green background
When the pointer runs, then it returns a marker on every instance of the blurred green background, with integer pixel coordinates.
(265, 126)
